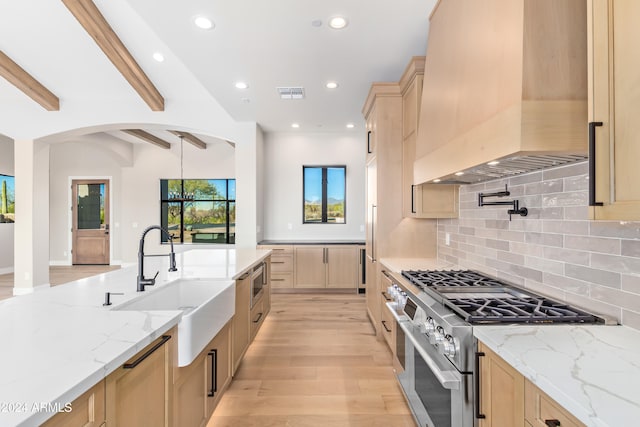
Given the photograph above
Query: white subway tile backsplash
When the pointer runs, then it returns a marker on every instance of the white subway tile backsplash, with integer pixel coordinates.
(555, 250)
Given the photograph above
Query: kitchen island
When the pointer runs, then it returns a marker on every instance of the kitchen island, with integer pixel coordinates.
(59, 342)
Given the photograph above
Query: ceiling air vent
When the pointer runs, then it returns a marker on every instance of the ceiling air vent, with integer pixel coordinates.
(291, 92)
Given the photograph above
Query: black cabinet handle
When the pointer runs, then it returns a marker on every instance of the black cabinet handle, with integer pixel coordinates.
(479, 415)
(214, 372)
(148, 353)
(384, 323)
(592, 163)
(552, 423)
(369, 143)
(384, 294)
(413, 207)
(258, 319)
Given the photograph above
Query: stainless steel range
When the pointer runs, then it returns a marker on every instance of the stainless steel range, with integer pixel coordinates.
(440, 354)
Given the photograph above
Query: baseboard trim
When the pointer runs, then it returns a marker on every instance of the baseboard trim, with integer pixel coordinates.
(6, 270)
(59, 263)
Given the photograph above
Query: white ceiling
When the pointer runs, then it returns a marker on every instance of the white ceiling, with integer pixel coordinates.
(266, 43)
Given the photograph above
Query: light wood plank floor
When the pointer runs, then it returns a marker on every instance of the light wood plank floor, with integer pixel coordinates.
(315, 362)
(57, 276)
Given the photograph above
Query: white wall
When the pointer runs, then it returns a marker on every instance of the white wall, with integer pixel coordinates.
(135, 188)
(285, 154)
(6, 230)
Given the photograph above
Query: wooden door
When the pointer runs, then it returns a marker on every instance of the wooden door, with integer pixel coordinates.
(241, 329)
(189, 394)
(90, 222)
(342, 267)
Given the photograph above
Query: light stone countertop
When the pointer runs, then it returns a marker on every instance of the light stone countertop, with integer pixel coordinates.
(591, 370)
(58, 342)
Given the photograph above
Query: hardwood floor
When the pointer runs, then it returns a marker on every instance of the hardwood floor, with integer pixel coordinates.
(57, 276)
(315, 362)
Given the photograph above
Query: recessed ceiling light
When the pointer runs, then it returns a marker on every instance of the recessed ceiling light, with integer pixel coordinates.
(331, 85)
(350, 125)
(459, 173)
(203, 22)
(241, 85)
(295, 125)
(158, 57)
(436, 180)
(338, 22)
(493, 163)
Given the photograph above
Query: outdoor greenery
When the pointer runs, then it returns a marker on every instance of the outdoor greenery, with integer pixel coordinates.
(7, 199)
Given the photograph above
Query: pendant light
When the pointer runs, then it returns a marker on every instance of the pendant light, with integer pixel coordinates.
(181, 196)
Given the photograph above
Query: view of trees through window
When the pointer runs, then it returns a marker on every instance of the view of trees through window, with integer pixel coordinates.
(199, 210)
(324, 194)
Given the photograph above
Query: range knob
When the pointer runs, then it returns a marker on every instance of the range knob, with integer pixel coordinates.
(437, 338)
(429, 326)
(448, 347)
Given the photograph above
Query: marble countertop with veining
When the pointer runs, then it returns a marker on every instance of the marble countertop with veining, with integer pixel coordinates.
(58, 342)
(592, 371)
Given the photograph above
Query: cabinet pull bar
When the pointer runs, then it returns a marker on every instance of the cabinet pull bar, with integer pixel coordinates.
(258, 319)
(552, 423)
(148, 353)
(413, 207)
(369, 143)
(277, 262)
(479, 415)
(384, 294)
(384, 323)
(592, 164)
(277, 280)
(214, 372)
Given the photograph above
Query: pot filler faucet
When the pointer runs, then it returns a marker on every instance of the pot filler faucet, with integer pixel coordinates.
(142, 281)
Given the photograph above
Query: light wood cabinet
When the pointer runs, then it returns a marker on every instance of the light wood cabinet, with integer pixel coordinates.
(542, 411)
(257, 316)
(281, 265)
(422, 200)
(502, 79)
(139, 392)
(241, 328)
(332, 266)
(614, 101)
(199, 386)
(371, 135)
(86, 411)
(501, 397)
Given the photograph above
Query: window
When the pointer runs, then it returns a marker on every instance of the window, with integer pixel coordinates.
(207, 213)
(324, 194)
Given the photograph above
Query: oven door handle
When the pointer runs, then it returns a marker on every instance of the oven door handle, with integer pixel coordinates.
(448, 379)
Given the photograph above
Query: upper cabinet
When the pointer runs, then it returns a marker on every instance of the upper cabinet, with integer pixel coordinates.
(423, 200)
(614, 104)
(502, 79)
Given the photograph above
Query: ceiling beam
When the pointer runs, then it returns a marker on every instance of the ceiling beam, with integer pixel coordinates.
(94, 23)
(147, 137)
(18, 77)
(190, 138)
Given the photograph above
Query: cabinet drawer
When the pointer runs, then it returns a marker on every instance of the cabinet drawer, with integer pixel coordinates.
(278, 249)
(539, 408)
(387, 325)
(257, 317)
(281, 280)
(281, 263)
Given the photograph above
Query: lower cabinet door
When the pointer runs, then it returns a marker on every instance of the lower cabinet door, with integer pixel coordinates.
(542, 411)
(189, 395)
(217, 368)
(86, 411)
(137, 393)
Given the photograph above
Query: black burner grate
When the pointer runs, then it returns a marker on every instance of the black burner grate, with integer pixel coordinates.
(449, 278)
(519, 310)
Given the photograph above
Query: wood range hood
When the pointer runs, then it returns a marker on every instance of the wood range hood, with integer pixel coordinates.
(505, 81)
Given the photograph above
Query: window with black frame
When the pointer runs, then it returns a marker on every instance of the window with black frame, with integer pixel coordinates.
(324, 194)
(199, 210)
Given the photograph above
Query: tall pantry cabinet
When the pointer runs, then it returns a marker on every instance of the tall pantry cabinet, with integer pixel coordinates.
(388, 234)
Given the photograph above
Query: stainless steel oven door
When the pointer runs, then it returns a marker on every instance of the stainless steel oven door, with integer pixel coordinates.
(439, 395)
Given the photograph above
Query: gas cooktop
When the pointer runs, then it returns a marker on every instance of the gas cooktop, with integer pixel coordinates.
(481, 299)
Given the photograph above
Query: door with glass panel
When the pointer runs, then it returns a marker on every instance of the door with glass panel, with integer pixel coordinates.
(90, 221)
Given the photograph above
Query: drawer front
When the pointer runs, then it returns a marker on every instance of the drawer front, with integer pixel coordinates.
(281, 263)
(281, 280)
(257, 317)
(540, 408)
(387, 325)
(278, 249)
